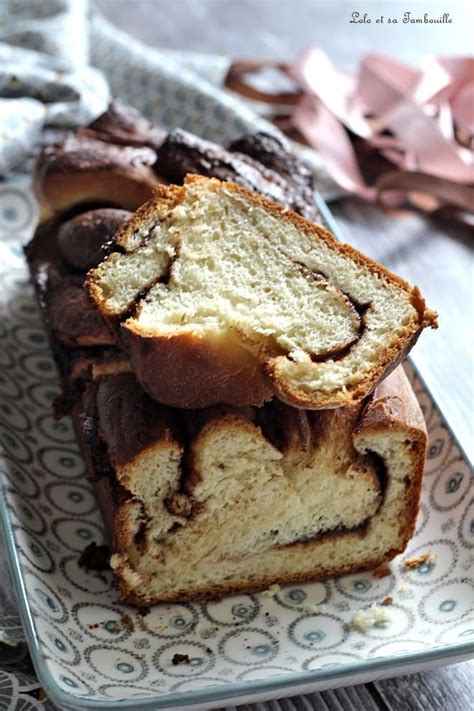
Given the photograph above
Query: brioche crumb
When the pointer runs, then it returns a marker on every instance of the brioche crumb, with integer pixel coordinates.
(381, 615)
(180, 659)
(363, 620)
(387, 601)
(416, 561)
(271, 591)
(127, 623)
(382, 571)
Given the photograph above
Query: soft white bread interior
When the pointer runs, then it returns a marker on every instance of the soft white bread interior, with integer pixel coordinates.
(227, 500)
(228, 298)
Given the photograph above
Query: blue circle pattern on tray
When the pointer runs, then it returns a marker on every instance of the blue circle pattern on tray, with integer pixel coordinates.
(87, 637)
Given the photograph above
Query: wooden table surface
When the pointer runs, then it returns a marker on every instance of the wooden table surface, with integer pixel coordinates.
(436, 255)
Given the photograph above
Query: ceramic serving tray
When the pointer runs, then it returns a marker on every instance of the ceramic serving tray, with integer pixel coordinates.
(91, 652)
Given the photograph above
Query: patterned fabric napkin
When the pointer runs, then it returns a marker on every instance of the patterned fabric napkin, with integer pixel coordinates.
(45, 79)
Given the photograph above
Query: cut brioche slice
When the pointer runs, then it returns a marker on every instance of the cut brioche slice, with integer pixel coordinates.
(227, 499)
(225, 297)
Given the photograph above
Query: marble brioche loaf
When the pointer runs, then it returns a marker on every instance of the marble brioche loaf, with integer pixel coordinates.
(201, 503)
(212, 502)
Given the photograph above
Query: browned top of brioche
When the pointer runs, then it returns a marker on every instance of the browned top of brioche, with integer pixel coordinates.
(392, 406)
(85, 170)
(85, 240)
(82, 153)
(259, 162)
(123, 124)
(274, 153)
(129, 420)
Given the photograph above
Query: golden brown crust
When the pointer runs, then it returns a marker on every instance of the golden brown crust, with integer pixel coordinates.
(393, 404)
(121, 189)
(189, 371)
(87, 170)
(394, 408)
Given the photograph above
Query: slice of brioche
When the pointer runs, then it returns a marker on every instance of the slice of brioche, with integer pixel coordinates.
(225, 297)
(224, 500)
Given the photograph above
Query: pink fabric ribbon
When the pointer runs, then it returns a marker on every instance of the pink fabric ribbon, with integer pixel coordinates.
(420, 121)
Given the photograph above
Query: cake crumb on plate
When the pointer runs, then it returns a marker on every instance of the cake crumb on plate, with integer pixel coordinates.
(382, 571)
(364, 619)
(416, 561)
(271, 591)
